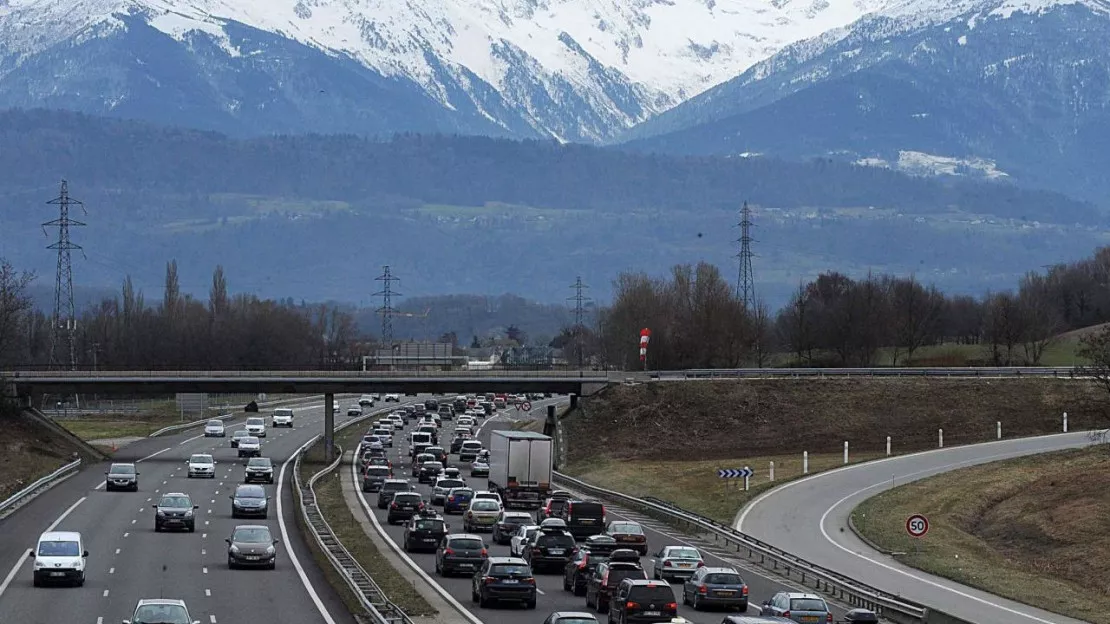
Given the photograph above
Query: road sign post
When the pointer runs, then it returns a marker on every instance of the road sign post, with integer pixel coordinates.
(735, 473)
(917, 526)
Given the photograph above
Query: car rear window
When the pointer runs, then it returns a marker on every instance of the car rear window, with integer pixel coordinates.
(618, 573)
(451, 483)
(509, 569)
(651, 594)
(683, 553)
(407, 497)
(586, 510)
(627, 528)
(807, 604)
(377, 471)
(472, 445)
(557, 540)
(430, 525)
(465, 542)
(395, 487)
(724, 579)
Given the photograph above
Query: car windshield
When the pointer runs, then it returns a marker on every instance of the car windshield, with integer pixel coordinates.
(485, 505)
(175, 501)
(250, 491)
(242, 433)
(256, 421)
(252, 535)
(450, 483)
(377, 471)
(575, 620)
(509, 569)
(215, 423)
(123, 469)
(259, 462)
(683, 553)
(249, 440)
(807, 604)
(466, 542)
(724, 578)
(160, 614)
(471, 445)
(200, 459)
(59, 549)
(429, 525)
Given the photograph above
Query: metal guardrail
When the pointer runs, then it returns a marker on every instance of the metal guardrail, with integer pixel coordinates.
(31, 489)
(837, 585)
(188, 425)
(960, 371)
(332, 374)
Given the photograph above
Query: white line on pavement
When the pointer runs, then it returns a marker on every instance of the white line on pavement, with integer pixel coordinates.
(27, 554)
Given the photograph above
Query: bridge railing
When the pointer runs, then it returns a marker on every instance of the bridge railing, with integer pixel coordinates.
(961, 371)
(292, 374)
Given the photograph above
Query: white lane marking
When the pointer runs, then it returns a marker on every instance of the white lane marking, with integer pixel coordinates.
(205, 523)
(213, 501)
(126, 534)
(153, 454)
(100, 485)
(541, 592)
(208, 592)
(210, 511)
(184, 442)
(111, 570)
(142, 508)
(156, 490)
(134, 521)
(212, 619)
(100, 620)
(204, 570)
(27, 553)
(117, 551)
(288, 543)
(164, 482)
(105, 593)
(203, 551)
(148, 500)
(203, 535)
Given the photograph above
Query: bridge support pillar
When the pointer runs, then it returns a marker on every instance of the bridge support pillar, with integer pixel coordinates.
(573, 401)
(329, 428)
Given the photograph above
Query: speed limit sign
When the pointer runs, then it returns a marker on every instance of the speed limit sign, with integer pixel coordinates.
(917, 525)
(526, 406)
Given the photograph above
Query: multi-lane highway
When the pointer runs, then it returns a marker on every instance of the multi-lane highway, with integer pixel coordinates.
(552, 596)
(809, 517)
(128, 561)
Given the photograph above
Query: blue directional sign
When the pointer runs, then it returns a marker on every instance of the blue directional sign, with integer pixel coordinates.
(734, 473)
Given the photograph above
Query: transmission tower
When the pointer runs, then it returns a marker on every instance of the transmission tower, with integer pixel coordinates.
(745, 283)
(64, 327)
(579, 300)
(387, 311)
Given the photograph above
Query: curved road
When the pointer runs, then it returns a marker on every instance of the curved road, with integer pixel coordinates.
(809, 518)
(126, 556)
(552, 596)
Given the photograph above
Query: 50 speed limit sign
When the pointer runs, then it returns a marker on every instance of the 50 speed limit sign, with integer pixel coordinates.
(917, 525)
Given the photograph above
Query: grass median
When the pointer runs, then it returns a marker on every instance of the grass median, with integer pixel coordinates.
(1033, 529)
(156, 415)
(329, 498)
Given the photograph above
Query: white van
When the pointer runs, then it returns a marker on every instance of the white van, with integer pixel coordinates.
(59, 558)
(282, 417)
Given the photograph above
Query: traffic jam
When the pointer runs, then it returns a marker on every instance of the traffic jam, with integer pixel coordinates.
(485, 520)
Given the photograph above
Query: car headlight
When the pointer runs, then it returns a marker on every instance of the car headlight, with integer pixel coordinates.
(39, 564)
(271, 550)
(188, 512)
(161, 513)
(234, 549)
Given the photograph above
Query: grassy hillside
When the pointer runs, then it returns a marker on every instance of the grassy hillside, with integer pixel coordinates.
(28, 452)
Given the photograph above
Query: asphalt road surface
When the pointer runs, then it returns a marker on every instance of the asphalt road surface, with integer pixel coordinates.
(809, 518)
(552, 596)
(126, 556)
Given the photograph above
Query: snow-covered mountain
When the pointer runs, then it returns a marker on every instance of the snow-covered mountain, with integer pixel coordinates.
(581, 70)
(1023, 85)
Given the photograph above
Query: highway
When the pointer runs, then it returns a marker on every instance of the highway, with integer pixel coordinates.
(552, 596)
(126, 556)
(809, 518)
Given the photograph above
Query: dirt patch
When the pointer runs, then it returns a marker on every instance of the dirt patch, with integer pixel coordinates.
(734, 418)
(28, 452)
(1035, 529)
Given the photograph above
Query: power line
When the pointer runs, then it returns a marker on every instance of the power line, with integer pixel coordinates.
(579, 312)
(387, 311)
(745, 282)
(64, 326)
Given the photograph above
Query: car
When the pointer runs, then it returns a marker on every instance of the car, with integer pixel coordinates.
(442, 486)
(479, 469)
(639, 600)
(607, 578)
(457, 442)
(60, 557)
(482, 515)
(161, 611)
(390, 487)
(423, 532)
(419, 441)
(175, 510)
(258, 469)
(494, 496)
(458, 500)
(469, 450)
(672, 562)
(452, 472)
(392, 397)
(504, 578)
(460, 553)
(404, 506)
(522, 536)
(214, 429)
(374, 476)
(570, 617)
(282, 417)
(252, 545)
(550, 509)
(429, 471)
(798, 606)
(585, 561)
(335, 408)
(551, 548)
(237, 436)
(440, 454)
(256, 426)
(419, 461)
(398, 421)
(366, 401)
(508, 524)
(120, 476)
(249, 501)
(377, 460)
(250, 446)
(584, 517)
(201, 465)
(722, 587)
(385, 437)
(629, 534)
(354, 410)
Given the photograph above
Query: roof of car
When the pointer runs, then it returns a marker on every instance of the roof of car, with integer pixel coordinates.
(755, 619)
(163, 601)
(512, 560)
(60, 536)
(709, 570)
(577, 615)
(794, 595)
(454, 536)
(176, 494)
(250, 526)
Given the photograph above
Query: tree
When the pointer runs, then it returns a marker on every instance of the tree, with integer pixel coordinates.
(217, 294)
(517, 335)
(1002, 327)
(1041, 319)
(15, 305)
(915, 316)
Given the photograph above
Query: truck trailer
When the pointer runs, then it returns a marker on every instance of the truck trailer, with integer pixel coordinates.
(520, 468)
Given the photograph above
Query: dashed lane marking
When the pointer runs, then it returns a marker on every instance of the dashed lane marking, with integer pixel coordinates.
(204, 570)
(111, 570)
(208, 592)
(105, 593)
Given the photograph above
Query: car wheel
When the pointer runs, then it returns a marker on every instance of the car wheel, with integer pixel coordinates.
(157, 528)
(36, 582)
(273, 565)
(80, 582)
(473, 594)
(694, 603)
(483, 601)
(192, 528)
(531, 604)
(230, 563)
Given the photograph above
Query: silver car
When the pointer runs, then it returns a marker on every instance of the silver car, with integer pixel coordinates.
(676, 562)
(808, 608)
(201, 465)
(250, 446)
(482, 515)
(214, 429)
(442, 487)
(160, 610)
(520, 538)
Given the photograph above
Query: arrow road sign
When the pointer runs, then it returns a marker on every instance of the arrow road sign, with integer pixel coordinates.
(735, 473)
(917, 525)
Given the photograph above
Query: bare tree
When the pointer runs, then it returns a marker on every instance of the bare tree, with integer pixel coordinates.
(1003, 327)
(796, 325)
(15, 305)
(915, 314)
(1041, 322)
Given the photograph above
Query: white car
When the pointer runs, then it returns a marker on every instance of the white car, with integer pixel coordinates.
(520, 538)
(487, 494)
(250, 446)
(393, 397)
(282, 417)
(214, 429)
(366, 400)
(385, 437)
(59, 558)
(398, 422)
(354, 410)
(161, 610)
(256, 426)
(202, 465)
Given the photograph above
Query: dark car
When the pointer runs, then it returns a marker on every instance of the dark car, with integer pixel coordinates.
(429, 471)
(389, 488)
(419, 460)
(424, 532)
(722, 587)
(458, 500)
(121, 477)
(249, 500)
(639, 600)
(551, 549)
(457, 443)
(460, 553)
(606, 579)
(586, 559)
(404, 506)
(551, 508)
(508, 524)
(583, 518)
(259, 469)
(374, 476)
(629, 534)
(175, 511)
(251, 545)
(446, 412)
(439, 453)
(504, 578)
(431, 405)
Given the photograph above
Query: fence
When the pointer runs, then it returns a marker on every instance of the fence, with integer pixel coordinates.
(16, 498)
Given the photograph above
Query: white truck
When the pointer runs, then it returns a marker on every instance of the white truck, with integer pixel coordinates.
(520, 468)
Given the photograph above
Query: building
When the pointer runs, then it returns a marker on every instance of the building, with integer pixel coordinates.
(415, 356)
